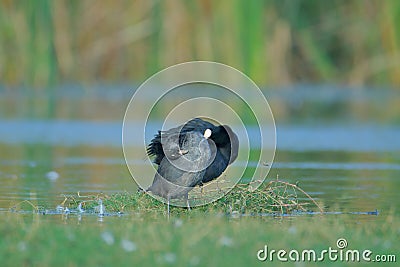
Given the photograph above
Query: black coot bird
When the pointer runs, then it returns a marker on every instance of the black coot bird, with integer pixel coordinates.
(223, 142)
(183, 166)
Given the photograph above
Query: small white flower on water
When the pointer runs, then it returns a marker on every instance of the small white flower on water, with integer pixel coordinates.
(52, 175)
(21, 246)
(178, 223)
(226, 241)
(292, 230)
(299, 264)
(32, 164)
(387, 244)
(70, 236)
(108, 238)
(169, 257)
(128, 245)
(194, 261)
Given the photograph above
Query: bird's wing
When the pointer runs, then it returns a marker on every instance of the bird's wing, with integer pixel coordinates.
(155, 147)
(197, 125)
(234, 142)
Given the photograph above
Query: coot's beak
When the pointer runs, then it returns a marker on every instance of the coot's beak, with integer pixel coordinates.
(207, 133)
(183, 152)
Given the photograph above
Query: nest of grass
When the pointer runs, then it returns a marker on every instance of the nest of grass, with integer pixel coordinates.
(274, 197)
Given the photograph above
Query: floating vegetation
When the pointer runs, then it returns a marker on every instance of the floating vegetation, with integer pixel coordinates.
(275, 197)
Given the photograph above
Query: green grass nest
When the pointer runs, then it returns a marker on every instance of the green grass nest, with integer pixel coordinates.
(273, 197)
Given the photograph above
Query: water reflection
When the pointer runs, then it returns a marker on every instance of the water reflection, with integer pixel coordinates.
(361, 137)
(353, 181)
(344, 157)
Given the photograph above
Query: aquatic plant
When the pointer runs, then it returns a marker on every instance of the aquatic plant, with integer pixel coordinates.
(275, 197)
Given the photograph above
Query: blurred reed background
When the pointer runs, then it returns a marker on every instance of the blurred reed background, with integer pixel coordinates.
(276, 43)
(69, 68)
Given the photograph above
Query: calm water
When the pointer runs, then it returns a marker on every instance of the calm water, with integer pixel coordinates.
(349, 165)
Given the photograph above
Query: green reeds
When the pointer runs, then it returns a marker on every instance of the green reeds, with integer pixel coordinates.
(274, 42)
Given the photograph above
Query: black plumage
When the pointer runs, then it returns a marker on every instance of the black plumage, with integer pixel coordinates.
(183, 166)
(223, 142)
